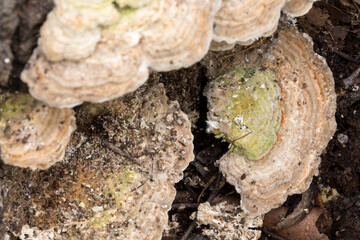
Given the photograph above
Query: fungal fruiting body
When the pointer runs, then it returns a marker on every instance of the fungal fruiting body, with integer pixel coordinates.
(117, 179)
(250, 117)
(99, 50)
(307, 103)
(244, 21)
(33, 134)
(96, 51)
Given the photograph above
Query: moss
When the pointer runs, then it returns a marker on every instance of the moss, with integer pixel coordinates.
(252, 110)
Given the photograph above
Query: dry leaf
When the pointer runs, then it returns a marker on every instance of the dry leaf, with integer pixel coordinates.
(304, 230)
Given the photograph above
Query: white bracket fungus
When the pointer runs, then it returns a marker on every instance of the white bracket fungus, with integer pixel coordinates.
(244, 21)
(117, 182)
(32, 133)
(265, 170)
(96, 51)
(99, 50)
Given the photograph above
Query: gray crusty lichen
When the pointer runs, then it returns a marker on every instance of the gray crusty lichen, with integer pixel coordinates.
(116, 181)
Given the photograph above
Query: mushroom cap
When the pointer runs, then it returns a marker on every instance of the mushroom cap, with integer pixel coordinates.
(60, 42)
(109, 73)
(119, 192)
(121, 41)
(244, 21)
(308, 104)
(72, 30)
(250, 116)
(33, 134)
(181, 36)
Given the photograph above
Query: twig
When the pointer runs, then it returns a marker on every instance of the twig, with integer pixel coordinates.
(141, 184)
(300, 211)
(230, 193)
(189, 230)
(206, 187)
(210, 199)
(127, 155)
(121, 152)
(233, 142)
(350, 79)
(356, 6)
(345, 56)
(182, 206)
(191, 191)
(200, 168)
(216, 188)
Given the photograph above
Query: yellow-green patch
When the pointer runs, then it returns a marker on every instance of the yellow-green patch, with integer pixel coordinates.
(15, 105)
(252, 109)
(118, 186)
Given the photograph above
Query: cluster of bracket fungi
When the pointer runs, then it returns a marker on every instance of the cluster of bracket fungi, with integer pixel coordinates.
(275, 107)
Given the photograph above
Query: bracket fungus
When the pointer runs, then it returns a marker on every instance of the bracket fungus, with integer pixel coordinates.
(244, 21)
(276, 136)
(33, 134)
(99, 50)
(96, 51)
(117, 179)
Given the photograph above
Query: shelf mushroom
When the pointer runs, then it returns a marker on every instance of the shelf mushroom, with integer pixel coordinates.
(243, 22)
(97, 51)
(117, 179)
(33, 134)
(277, 110)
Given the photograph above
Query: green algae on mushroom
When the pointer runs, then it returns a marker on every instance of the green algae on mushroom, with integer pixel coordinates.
(33, 134)
(307, 103)
(250, 116)
(99, 192)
